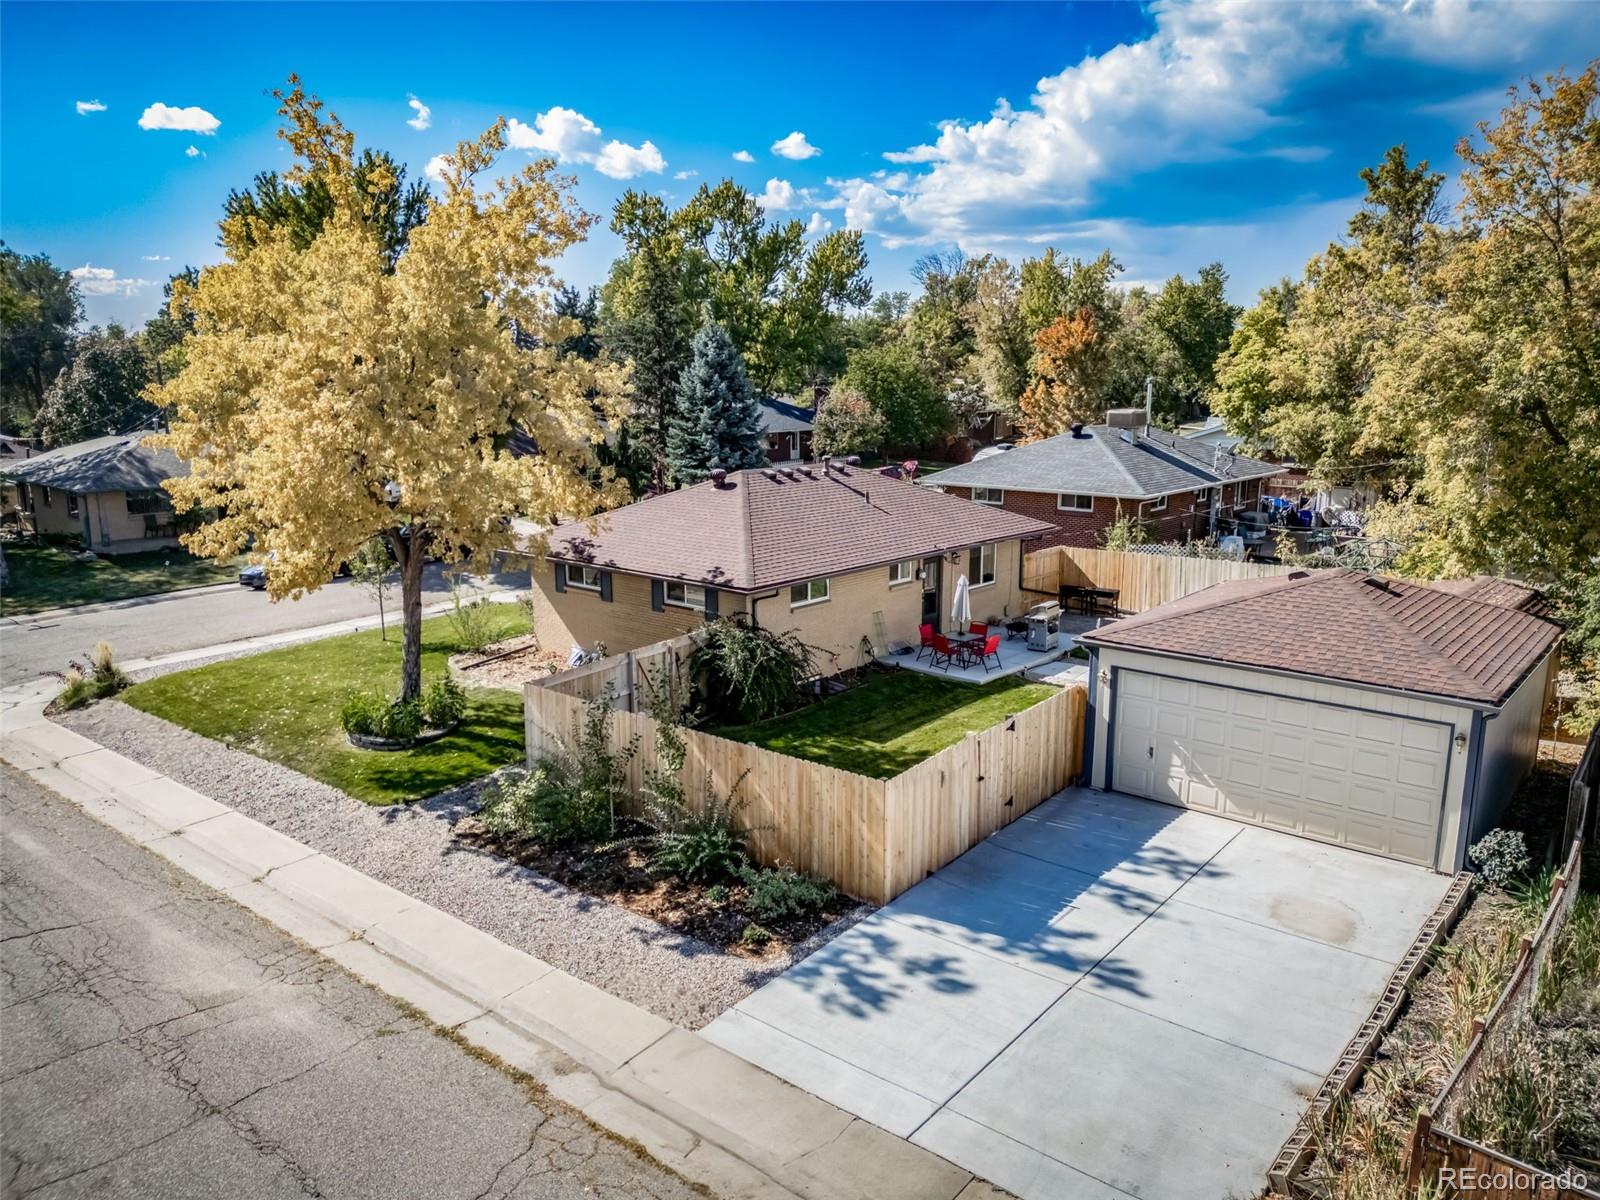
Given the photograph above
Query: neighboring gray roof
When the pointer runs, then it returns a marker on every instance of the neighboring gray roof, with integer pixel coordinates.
(769, 527)
(1103, 462)
(1345, 625)
(104, 464)
(779, 416)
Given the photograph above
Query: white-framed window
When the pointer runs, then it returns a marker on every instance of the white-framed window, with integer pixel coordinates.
(814, 591)
(985, 495)
(983, 559)
(1159, 504)
(685, 595)
(902, 572)
(1071, 502)
(587, 578)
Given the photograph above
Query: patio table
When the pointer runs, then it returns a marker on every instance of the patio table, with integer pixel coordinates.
(966, 643)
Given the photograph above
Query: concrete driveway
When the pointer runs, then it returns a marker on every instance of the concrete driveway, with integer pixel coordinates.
(1109, 997)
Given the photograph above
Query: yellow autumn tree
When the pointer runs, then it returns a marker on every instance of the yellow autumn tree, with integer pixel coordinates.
(1069, 359)
(331, 395)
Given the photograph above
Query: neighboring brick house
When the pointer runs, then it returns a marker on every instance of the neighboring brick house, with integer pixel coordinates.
(1080, 481)
(787, 430)
(847, 559)
(106, 491)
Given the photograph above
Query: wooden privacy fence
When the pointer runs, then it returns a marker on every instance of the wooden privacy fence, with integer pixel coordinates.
(1144, 580)
(873, 838)
(627, 676)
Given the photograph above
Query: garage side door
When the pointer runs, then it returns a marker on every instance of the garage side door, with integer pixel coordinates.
(1361, 779)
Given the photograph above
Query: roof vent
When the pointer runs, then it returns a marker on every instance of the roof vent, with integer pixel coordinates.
(1077, 429)
(719, 477)
(770, 473)
(1299, 575)
(853, 460)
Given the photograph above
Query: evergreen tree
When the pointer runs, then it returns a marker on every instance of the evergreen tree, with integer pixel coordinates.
(718, 419)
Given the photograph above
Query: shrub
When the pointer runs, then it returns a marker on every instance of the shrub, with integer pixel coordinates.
(709, 846)
(373, 714)
(1501, 856)
(755, 935)
(744, 673)
(781, 891)
(443, 704)
(568, 798)
(95, 681)
(473, 621)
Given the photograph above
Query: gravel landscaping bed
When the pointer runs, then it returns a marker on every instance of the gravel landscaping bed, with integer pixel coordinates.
(410, 847)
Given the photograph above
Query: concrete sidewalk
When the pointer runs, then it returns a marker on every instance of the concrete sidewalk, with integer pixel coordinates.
(712, 1116)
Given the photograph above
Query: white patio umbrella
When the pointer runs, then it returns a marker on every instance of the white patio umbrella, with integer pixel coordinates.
(961, 605)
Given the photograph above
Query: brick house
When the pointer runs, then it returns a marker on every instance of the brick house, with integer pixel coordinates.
(1080, 481)
(786, 429)
(847, 559)
(106, 491)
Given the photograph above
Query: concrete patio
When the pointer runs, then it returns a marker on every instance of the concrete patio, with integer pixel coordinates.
(1015, 657)
(1108, 998)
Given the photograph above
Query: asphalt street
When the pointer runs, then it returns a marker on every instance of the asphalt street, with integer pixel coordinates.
(32, 646)
(157, 1040)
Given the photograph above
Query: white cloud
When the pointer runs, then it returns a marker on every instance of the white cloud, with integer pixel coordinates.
(743, 156)
(436, 167)
(85, 107)
(189, 120)
(155, 258)
(779, 195)
(572, 137)
(195, 152)
(104, 281)
(424, 117)
(1210, 82)
(622, 161)
(818, 224)
(794, 146)
(685, 174)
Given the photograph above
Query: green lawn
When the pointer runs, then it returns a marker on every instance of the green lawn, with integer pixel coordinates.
(892, 722)
(284, 705)
(43, 577)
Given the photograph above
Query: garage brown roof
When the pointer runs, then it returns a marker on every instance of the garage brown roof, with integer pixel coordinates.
(1346, 625)
(766, 527)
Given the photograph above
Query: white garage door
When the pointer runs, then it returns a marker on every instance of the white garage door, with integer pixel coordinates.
(1361, 779)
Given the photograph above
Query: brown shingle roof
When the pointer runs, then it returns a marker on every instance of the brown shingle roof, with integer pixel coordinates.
(1349, 626)
(767, 527)
(1503, 593)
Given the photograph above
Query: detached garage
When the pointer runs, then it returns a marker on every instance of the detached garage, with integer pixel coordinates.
(1384, 715)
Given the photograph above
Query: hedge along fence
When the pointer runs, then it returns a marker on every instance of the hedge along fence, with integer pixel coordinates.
(1144, 580)
(873, 838)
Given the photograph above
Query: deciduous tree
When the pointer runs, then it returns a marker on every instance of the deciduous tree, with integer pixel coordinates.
(895, 382)
(100, 392)
(333, 392)
(1068, 367)
(847, 423)
(39, 306)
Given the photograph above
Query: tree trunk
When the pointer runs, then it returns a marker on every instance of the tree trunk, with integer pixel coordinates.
(409, 551)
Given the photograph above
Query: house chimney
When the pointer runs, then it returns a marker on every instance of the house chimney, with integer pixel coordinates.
(1124, 418)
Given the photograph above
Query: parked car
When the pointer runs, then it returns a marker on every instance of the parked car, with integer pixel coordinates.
(255, 575)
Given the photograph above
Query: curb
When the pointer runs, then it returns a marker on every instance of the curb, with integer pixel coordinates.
(713, 1117)
(83, 610)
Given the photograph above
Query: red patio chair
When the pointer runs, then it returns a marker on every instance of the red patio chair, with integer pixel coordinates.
(925, 632)
(991, 649)
(942, 650)
(979, 628)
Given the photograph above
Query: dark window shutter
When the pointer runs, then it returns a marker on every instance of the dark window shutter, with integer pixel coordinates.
(973, 562)
(561, 577)
(658, 596)
(711, 604)
(605, 586)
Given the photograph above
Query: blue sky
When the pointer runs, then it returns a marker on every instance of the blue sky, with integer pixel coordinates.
(1174, 133)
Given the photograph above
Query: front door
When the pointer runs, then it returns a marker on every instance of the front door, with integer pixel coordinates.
(930, 591)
